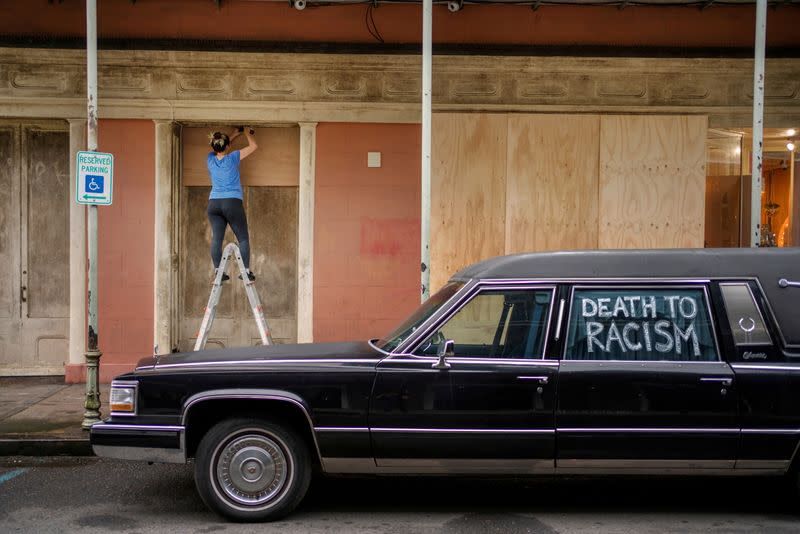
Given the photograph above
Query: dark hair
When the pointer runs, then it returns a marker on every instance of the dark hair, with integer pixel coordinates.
(219, 142)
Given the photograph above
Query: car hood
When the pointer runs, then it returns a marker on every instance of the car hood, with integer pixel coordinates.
(358, 350)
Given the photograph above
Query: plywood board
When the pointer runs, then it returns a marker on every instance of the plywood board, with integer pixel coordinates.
(272, 223)
(468, 190)
(275, 162)
(652, 181)
(552, 181)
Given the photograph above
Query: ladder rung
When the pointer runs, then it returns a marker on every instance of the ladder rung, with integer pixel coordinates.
(214, 297)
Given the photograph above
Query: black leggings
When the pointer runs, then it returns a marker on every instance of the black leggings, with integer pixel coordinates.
(222, 212)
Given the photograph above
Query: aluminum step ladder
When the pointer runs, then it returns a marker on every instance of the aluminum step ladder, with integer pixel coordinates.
(216, 292)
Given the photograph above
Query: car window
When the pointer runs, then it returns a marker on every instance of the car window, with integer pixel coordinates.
(412, 322)
(745, 319)
(649, 324)
(497, 324)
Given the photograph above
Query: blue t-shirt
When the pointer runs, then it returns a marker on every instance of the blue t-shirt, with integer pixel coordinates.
(225, 181)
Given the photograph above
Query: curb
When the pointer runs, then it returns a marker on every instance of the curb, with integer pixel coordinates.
(45, 447)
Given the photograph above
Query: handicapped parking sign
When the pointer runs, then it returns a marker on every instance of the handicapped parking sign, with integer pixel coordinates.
(95, 172)
(94, 183)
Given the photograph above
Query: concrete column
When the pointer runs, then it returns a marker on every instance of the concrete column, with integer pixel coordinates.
(77, 252)
(305, 244)
(162, 274)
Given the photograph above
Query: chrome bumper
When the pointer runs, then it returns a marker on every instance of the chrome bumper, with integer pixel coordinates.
(149, 443)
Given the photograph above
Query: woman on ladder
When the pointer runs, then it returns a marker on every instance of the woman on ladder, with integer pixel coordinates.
(225, 205)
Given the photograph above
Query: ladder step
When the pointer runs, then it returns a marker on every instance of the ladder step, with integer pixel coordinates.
(214, 297)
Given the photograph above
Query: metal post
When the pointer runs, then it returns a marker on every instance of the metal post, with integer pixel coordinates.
(758, 123)
(91, 414)
(425, 213)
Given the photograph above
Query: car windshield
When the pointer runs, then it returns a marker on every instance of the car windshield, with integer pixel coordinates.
(409, 325)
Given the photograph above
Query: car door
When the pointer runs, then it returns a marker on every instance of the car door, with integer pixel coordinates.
(767, 376)
(491, 409)
(641, 382)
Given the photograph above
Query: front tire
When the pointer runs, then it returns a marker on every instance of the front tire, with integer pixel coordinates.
(252, 470)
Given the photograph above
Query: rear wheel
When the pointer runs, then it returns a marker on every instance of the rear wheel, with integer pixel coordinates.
(252, 470)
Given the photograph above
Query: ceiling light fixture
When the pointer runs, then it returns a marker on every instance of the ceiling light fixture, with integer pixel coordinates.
(790, 146)
(790, 132)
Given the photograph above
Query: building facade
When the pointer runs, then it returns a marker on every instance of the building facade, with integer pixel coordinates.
(558, 128)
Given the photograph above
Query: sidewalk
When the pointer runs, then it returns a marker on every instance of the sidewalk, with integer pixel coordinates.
(41, 416)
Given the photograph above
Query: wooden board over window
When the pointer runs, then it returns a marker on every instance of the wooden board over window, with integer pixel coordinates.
(468, 191)
(652, 182)
(275, 162)
(508, 183)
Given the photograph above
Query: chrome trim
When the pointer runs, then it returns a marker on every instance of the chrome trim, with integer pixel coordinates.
(560, 319)
(263, 362)
(771, 367)
(144, 454)
(421, 334)
(266, 394)
(469, 465)
(757, 307)
(125, 384)
(649, 430)
(700, 283)
(144, 428)
(786, 431)
(493, 361)
(463, 430)
(445, 466)
(340, 429)
(601, 280)
(784, 283)
(376, 347)
(626, 464)
(639, 363)
(780, 465)
(407, 466)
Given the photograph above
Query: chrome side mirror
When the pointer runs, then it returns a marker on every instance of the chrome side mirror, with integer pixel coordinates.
(445, 351)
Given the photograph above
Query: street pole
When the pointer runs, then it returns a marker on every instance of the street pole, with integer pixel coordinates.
(758, 123)
(91, 414)
(425, 213)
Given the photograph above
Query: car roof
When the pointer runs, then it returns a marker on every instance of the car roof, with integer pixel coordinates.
(767, 265)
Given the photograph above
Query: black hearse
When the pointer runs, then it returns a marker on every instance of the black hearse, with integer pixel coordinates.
(617, 362)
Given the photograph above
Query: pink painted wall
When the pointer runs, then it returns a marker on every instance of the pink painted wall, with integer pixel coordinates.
(366, 229)
(125, 247)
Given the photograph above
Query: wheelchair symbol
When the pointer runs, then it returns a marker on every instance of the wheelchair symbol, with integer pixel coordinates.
(94, 183)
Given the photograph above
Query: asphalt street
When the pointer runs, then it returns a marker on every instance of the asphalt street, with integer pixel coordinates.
(91, 495)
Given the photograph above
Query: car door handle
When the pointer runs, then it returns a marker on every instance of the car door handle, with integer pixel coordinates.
(541, 379)
(715, 380)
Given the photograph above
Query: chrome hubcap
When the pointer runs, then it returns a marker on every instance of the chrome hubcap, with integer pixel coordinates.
(251, 469)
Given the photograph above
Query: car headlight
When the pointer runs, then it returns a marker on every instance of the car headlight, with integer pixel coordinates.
(123, 398)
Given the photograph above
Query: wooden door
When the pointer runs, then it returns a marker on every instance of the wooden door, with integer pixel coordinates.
(34, 248)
